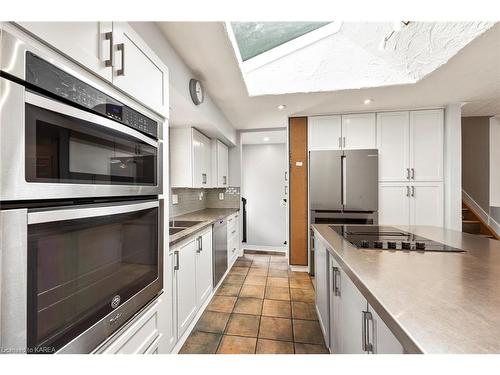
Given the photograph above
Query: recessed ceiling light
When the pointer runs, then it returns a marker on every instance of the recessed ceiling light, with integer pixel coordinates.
(266, 139)
(281, 106)
(368, 101)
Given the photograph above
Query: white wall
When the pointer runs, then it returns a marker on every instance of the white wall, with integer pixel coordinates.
(453, 167)
(263, 170)
(206, 116)
(495, 162)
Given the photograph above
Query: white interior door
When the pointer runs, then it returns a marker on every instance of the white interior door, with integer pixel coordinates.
(393, 143)
(263, 173)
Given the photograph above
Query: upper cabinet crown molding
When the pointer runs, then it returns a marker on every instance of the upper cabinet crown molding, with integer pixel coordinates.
(114, 52)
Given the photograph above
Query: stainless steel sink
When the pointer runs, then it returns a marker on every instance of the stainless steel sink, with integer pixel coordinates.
(182, 223)
(175, 230)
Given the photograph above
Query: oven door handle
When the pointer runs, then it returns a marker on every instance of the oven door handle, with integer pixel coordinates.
(55, 106)
(73, 213)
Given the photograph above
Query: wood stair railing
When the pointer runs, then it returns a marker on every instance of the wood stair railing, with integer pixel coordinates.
(472, 223)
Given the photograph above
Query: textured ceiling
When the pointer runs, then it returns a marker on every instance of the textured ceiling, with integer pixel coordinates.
(471, 76)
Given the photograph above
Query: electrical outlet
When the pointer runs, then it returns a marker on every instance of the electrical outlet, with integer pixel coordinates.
(201, 196)
(221, 196)
(175, 199)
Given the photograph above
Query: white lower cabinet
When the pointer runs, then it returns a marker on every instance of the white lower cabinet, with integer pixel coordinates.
(204, 278)
(140, 336)
(322, 290)
(193, 283)
(233, 238)
(353, 325)
(185, 285)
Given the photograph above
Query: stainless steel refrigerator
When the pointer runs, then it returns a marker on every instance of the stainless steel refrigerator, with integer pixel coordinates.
(343, 188)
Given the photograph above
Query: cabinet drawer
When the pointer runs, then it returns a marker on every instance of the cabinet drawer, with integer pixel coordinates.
(139, 336)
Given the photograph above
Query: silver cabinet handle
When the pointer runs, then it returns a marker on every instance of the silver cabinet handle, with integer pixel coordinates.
(286, 190)
(407, 173)
(109, 36)
(286, 176)
(176, 254)
(204, 178)
(413, 191)
(200, 244)
(367, 346)
(233, 232)
(343, 142)
(121, 71)
(336, 288)
(407, 191)
(224, 180)
(340, 142)
(413, 173)
(234, 249)
(230, 220)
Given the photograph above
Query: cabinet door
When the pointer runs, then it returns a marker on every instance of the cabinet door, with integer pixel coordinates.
(393, 143)
(393, 203)
(324, 132)
(321, 267)
(359, 131)
(185, 268)
(201, 146)
(352, 307)
(84, 42)
(383, 340)
(222, 164)
(335, 307)
(207, 163)
(427, 204)
(203, 267)
(426, 145)
(138, 71)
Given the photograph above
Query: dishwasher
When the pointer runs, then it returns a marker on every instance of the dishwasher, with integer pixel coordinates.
(219, 248)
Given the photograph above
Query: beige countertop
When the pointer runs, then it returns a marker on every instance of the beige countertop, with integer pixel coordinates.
(433, 302)
(207, 217)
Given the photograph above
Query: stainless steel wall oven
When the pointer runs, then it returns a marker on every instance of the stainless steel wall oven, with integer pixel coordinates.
(64, 137)
(81, 219)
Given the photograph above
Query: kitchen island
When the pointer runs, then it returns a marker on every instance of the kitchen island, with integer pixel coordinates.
(432, 302)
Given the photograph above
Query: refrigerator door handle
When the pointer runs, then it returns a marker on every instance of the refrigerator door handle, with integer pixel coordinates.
(344, 179)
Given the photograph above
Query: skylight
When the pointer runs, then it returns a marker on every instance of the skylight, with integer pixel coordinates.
(255, 38)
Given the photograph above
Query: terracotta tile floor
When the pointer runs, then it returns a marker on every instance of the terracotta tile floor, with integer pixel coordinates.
(262, 308)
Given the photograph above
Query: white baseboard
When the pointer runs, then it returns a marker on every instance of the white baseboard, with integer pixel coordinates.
(299, 268)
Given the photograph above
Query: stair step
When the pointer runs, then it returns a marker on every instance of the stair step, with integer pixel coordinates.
(486, 236)
(471, 222)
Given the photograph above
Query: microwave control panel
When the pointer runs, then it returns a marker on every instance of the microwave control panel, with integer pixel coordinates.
(40, 74)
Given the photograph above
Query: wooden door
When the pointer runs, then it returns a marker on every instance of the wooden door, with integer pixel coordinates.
(298, 190)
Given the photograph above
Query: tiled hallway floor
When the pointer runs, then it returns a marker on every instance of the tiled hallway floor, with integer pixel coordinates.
(261, 308)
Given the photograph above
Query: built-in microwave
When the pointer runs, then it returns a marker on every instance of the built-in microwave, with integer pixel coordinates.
(64, 136)
(70, 276)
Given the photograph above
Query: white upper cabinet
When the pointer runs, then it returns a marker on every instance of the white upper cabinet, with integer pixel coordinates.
(359, 131)
(220, 164)
(393, 143)
(426, 147)
(88, 43)
(113, 51)
(324, 132)
(190, 158)
(137, 70)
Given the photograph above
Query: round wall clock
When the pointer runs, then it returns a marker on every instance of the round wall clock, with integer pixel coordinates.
(196, 90)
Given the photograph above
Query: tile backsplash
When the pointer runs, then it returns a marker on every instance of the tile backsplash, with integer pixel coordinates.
(189, 199)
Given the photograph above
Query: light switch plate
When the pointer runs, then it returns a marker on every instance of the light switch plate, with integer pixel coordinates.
(221, 196)
(175, 199)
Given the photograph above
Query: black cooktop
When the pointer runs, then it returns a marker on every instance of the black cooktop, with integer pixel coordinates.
(388, 238)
